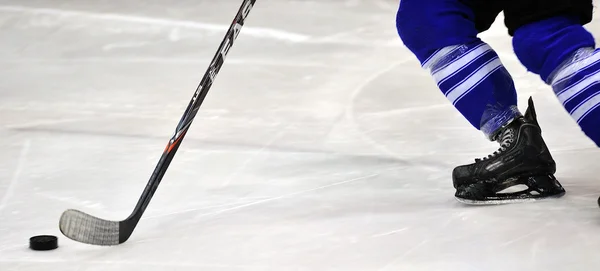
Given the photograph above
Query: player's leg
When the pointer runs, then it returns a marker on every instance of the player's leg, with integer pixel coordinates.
(550, 40)
(443, 36)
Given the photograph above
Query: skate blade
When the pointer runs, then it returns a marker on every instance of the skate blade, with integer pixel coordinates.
(507, 200)
(483, 193)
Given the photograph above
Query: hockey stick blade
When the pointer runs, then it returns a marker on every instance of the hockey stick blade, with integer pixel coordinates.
(89, 229)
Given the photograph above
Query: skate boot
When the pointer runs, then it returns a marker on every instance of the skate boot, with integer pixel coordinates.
(522, 160)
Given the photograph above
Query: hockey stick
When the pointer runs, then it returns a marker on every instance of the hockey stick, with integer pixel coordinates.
(89, 229)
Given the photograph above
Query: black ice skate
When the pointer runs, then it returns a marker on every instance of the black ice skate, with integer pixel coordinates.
(523, 159)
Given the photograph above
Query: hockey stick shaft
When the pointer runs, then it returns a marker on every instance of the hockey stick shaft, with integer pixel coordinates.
(85, 228)
(188, 116)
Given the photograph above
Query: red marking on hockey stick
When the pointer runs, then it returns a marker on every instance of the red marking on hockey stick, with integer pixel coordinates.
(170, 146)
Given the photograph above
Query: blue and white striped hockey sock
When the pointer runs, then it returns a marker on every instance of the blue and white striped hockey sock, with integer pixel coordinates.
(476, 82)
(576, 83)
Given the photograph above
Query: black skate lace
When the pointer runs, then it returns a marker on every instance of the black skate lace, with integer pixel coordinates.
(506, 139)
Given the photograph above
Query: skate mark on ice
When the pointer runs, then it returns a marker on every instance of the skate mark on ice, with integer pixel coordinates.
(390, 233)
(432, 236)
(535, 248)
(407, 110)
(126, 45)
(16, 176)
(135, 263)
(337, 37)
(34, 124)
(208, 142)
(73, 201)
(350, 116)
(253, 155)
(270, 199)
(39, 127)
(401, 257)
(165, 60)
(257, 32)
(524, 236)
(238, 201)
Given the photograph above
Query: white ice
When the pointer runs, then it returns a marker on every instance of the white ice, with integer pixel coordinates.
(321, 146)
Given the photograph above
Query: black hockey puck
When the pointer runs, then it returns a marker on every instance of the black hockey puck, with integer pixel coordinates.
(43, 242)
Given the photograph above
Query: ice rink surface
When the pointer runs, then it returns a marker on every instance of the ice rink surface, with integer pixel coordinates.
(321, 146)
